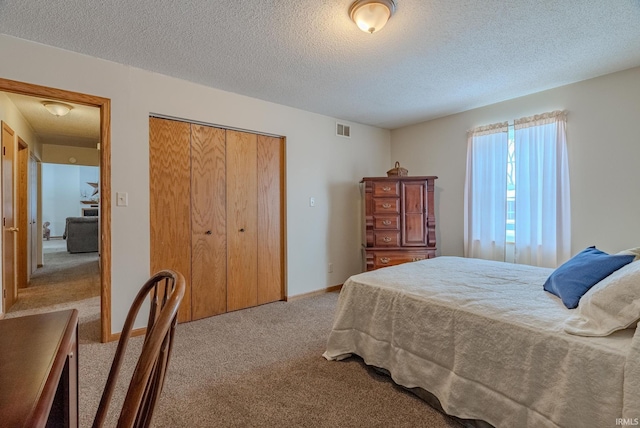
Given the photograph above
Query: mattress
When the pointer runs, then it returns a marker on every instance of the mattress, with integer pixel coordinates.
(488, 342)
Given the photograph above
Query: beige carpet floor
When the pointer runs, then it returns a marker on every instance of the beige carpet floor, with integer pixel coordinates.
(263, 367)
(258, 367)
(65, 281)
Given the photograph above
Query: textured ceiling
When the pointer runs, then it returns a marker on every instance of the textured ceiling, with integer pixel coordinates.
(435, 57)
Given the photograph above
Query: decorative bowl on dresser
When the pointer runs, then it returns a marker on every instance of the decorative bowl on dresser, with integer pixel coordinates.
(399, 219)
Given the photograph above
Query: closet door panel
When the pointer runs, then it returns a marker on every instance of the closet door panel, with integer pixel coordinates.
(170, 201)
(208, 222)
(270, 215)
(242, 224)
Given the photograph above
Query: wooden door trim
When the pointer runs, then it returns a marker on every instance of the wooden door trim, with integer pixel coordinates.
(6, 287)
(104, 104)
(33, 185)
(23, 213)
(283, 219)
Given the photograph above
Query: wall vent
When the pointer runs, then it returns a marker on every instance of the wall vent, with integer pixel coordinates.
(343, 130)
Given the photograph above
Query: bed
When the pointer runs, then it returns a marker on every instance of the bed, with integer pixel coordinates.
(487, 341)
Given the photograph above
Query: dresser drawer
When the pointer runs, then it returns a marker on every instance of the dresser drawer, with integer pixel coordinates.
(386, 239)
(386, 222)
(386, 188)
(382, 259)
(386, 206)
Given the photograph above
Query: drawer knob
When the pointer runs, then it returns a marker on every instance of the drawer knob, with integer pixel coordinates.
(386, 205)
(386, 222)
(386, 239)
(384, 260)
(386, 188)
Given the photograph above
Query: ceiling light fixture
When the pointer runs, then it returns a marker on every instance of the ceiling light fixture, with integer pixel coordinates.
(371, 15)
(57, 109)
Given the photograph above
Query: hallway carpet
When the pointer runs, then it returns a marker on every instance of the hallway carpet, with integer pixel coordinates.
(65, 281)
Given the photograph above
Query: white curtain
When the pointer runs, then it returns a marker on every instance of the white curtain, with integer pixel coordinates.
(485, 193)
(542, 214)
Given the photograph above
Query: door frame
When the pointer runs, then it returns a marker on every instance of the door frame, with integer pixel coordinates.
(9, 249)
(22, 208)
(104, 104)
(35, 234)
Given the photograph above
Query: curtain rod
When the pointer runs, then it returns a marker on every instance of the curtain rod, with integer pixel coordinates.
(527, 119)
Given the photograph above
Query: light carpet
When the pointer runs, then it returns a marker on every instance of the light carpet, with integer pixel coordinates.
(65, 281)
(263, 367)
(258, 367)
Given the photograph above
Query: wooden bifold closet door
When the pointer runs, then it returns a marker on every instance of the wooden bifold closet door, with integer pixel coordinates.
(216, 205)
(208, 222)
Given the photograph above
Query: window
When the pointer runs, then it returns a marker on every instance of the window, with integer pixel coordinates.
(517, 191)
(510, 225)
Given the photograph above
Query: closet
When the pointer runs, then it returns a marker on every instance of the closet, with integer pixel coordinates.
(217, 214)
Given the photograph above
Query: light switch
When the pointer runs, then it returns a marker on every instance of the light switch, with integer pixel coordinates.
(122, 199)
(312, 201)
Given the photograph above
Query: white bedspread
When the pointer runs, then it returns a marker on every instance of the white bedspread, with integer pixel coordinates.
(488, 341)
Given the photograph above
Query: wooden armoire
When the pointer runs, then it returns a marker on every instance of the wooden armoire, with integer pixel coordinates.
(399, 220)
(217, 214)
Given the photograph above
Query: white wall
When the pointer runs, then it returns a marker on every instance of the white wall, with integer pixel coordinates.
(319, 164)
(603, 140)
(12, 116)
(63, 186)
(54, 153)
(61, 193)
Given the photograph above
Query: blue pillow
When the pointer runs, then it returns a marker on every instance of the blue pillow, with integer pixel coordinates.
(584, 270)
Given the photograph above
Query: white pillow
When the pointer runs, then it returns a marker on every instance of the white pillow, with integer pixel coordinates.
(612, 304)
(631, 252)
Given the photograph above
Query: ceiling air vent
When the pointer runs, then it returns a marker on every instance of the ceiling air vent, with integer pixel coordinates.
(343, 130)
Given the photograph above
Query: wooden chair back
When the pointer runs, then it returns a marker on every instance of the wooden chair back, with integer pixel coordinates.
(166, 290)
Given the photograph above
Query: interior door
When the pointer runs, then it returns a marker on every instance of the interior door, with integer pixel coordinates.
(242, 222)
(208, 222)
(170, 201)
(270, 219)
(9, 230)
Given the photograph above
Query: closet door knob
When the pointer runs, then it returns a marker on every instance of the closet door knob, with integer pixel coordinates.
(208, 232)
